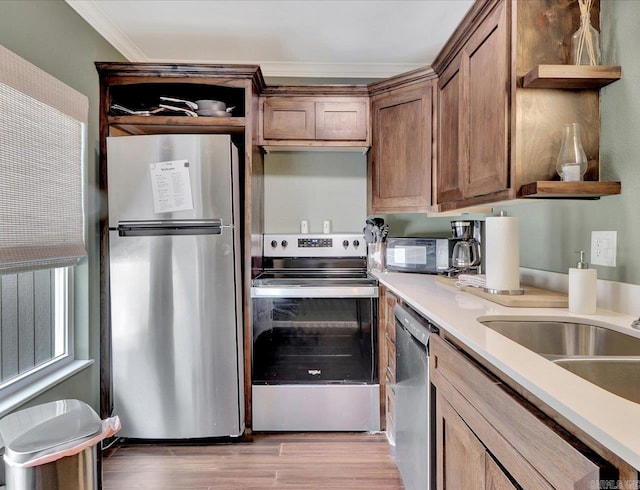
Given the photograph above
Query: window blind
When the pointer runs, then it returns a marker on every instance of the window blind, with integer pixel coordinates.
(42, 134)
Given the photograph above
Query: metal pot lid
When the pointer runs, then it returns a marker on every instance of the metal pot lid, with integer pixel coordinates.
(48, 428)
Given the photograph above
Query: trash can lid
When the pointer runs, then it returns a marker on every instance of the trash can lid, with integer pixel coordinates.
(37, 430)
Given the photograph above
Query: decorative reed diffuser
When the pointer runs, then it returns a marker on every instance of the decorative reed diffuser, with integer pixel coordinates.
(585, 42)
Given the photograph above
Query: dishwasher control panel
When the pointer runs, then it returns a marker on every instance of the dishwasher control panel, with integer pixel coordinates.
(418, 326)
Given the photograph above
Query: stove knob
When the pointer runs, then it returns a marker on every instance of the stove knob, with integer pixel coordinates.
(345, 243)
(274, 244)
(356, 243)
(284, 243)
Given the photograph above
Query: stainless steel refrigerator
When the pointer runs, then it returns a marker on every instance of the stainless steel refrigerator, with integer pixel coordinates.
(176, 316)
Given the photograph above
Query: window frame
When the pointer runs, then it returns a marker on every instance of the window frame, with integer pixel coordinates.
(42, 377)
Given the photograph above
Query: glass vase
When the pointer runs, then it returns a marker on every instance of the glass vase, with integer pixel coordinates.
(585, 44)
(572, 160)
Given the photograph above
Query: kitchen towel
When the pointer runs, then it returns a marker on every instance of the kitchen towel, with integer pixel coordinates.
(475, 280)
(502, 259)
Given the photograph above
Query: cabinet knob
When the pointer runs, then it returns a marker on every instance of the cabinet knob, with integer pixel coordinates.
(345, 243)
(284, 243)
(356, 243)
(274, 244)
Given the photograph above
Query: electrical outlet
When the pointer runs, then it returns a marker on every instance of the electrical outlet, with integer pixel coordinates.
(603, 248)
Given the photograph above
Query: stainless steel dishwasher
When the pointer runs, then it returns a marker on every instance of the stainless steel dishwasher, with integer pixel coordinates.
(414, 441)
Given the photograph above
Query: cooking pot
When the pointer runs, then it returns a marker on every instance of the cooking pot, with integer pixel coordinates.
(214, 108)
(204, 107)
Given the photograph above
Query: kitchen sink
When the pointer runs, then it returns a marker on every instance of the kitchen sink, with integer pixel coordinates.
(558, 338)
(604, 357)
(620, 376)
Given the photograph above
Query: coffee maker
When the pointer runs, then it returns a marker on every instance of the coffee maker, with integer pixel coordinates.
(467, 255)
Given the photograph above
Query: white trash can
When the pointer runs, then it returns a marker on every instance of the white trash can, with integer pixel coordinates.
(53, 446)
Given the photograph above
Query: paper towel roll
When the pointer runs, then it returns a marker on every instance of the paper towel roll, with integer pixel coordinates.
(502, 253)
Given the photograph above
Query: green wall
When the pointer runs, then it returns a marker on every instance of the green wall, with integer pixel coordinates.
(49, 34)
(550, 231)
(316, 186)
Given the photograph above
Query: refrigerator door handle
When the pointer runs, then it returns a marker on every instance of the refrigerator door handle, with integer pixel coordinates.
(171, 227)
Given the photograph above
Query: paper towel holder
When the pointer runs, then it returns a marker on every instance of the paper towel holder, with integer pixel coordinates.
(505, 292)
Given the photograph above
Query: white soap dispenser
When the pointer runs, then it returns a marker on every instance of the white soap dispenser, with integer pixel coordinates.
(582, 288)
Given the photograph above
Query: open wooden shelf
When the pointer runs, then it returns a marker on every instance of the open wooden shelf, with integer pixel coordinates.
(571, 76)
(555, 189)
(176, 124)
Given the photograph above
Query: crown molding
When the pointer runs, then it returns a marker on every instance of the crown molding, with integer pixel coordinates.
(92, 13)
(313, 70)
(96, 18)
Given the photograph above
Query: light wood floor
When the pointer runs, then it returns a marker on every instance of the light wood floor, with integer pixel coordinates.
(302, 461)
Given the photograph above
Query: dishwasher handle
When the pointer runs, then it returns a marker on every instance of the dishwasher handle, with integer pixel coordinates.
(419, 327)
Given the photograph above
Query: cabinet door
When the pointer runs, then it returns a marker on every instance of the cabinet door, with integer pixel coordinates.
(341, 120)
(401, 150)
(486, 71)
(289, 119)
(530, 447)
(460, 456)
(495, 478)
(450, 93)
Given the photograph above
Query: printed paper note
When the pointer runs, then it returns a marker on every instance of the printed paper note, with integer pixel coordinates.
(171, 186)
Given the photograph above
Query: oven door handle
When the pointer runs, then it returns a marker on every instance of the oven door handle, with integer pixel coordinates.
(314, 292)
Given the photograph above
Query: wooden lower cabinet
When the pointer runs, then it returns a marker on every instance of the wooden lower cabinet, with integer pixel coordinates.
(464, 461)
(495, 478)
(387, 352)
(488, 437)
(460, 455)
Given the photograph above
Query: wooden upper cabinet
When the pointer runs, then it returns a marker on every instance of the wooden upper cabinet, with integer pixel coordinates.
(341, 120)
(473, 115)
(450, 163)
(401, 155)
(291, 120)
(486, 69)
(498, 139)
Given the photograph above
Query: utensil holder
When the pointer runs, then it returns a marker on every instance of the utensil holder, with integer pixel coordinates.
(376, 256)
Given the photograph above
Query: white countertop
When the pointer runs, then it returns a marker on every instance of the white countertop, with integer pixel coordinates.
(611, 420)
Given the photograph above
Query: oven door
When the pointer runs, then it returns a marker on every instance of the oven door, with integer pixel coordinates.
(314, 335)
(314, 363)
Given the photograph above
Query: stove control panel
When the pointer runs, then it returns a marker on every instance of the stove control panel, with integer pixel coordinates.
(325, 245)
(315, 242)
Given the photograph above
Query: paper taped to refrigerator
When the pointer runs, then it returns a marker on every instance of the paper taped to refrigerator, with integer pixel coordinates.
(171, 186)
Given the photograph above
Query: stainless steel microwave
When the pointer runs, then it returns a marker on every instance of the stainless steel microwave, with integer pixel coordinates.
(424, 255)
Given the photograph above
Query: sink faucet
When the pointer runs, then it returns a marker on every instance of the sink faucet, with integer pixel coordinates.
(636, 323)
